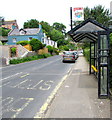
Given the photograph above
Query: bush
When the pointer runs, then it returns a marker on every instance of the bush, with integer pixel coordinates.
(46, 55)
(30, 58)
(56, 51)
(36, 44)
(23, 42)
(50, 49)
(13, 50)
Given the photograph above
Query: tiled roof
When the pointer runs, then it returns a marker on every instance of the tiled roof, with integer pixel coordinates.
(28, 31)
(9, 22)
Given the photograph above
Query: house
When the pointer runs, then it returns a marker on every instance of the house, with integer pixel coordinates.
(47, 41)
(9, 24)
(17, 35)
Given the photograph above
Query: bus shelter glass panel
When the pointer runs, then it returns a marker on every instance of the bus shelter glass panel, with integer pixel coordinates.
(103, 65)
(103, 88)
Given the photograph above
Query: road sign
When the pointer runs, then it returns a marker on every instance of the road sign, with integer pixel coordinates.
(78, 14)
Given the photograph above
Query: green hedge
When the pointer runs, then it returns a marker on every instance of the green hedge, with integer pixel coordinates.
(86, 53)
(25, 42)
(30, 58)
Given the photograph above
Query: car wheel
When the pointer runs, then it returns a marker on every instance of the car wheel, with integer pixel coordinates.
(63, 61)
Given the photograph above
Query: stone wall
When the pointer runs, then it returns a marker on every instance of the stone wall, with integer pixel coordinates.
(5, 53)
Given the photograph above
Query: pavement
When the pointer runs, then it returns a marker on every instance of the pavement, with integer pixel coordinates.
(78, 96)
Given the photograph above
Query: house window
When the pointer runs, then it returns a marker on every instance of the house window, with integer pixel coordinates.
(30, 38)
(14, 40)
(42, 40)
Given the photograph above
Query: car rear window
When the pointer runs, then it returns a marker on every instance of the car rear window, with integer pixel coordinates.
(69, 53)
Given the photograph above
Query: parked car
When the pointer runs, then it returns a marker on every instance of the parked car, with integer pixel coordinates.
(68, 56)
(76, 54)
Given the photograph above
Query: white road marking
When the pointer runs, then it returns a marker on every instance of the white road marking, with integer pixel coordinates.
(18, 85)
(4, 84)
(24, 75)
(46, 85)
(44, 107)
(10, 76)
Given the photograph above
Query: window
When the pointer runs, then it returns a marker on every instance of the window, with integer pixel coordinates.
(42, 40)
(30, 38)
(14, 40)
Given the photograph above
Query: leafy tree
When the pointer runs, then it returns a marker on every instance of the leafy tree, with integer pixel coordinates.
(65, 47)
(36, 44)
(46, 28)
(72, 46)
(56, 35)
(33, 23)
(60, 27)
(4, 31)
(99, 13)
(62, 42)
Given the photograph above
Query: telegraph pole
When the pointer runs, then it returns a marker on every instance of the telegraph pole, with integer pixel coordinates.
(71, 17)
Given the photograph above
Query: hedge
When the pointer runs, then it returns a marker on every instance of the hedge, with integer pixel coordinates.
(23, 43)
(30, 58)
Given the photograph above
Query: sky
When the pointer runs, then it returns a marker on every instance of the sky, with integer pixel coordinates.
(45, 10)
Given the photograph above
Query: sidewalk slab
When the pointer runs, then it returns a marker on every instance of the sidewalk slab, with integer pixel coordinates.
(78, 96)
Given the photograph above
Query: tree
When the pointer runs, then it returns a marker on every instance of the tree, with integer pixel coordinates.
(60, 27)
(36, 44)
(4, 31)
(62, 42)
(33, 23)
(98, 13)
(46, 28)
(56, 35)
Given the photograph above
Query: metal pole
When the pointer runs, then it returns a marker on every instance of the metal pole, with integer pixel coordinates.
(71, 18)
(99, 71)
(90, 60)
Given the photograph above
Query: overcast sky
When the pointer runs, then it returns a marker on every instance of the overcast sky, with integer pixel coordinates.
(45, 10)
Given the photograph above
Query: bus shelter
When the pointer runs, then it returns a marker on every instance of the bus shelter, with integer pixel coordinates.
(98, 37)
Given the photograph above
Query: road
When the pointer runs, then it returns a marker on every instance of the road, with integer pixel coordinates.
(26, 86)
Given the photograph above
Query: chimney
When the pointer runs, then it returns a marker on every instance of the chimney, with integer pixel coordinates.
(13, 26)
(40, 26)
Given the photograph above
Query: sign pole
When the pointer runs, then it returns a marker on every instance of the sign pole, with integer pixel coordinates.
(71, 18)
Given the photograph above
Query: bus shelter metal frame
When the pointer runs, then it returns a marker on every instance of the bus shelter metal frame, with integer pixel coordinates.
(95, 32)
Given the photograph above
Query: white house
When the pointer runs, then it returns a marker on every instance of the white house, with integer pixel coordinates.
(47, 41)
